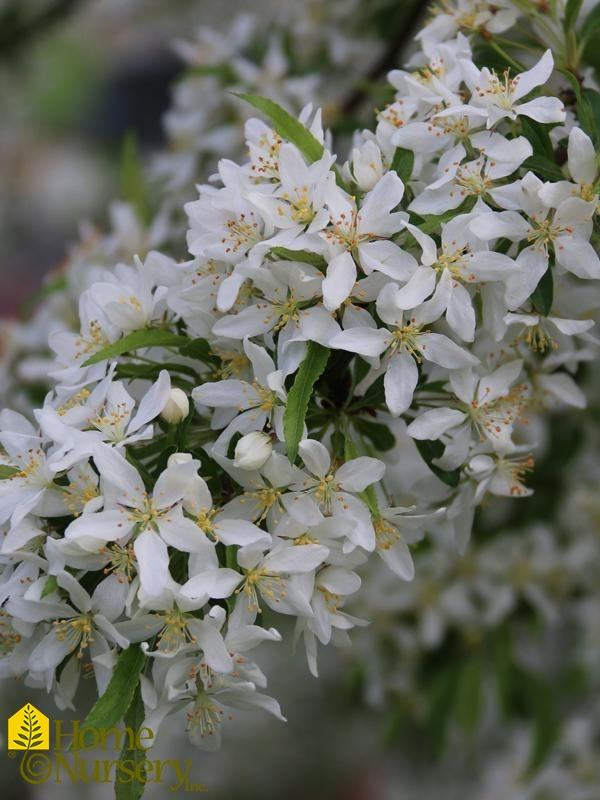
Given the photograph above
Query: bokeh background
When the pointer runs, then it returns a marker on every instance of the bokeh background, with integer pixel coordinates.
(464, 687)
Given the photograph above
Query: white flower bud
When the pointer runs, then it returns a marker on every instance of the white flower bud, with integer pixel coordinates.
(176, 408)
(367, 166)
(179, 458)
(252, 450)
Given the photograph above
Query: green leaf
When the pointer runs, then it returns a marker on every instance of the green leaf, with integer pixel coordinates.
(150, 337)
(50, 586)
(441, 694)
(198, 349)
(543, 294)
(111, 707)
(299, 396)
(588, 37)
(287, 126)
(544, 168)
(538, 136)
(434, 449)
(588, 107)
(368, 495)
(546, 722)
(7, 472)
(503, 668)
(572, 11)
(132, 789)
(469, 698)
(133, 182)
(590, 112)
(403, 163)
(381, 436)
(304, 256)
(432, 223)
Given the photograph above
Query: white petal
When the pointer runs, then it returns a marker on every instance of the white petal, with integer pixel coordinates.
(582, 156)
(152, 403)
(543, 109)
(577, 256)
(443, 351)
(218, 583)
(315, 456)
(339, 280)
(357, 474)
(364, 341)
(434, 422)
(399, 382)
(300, 558)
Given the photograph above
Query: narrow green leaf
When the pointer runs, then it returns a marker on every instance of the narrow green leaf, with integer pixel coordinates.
(590, 101)
(133, 182)
(588, 36)
(299, 396)
(304, 256)
(7, 472)
(434, 449)
(588, 107)
(503, 668)
(287, 126)
(572, 11)
(546, 723)
(112, 706)
(441, 694)
(132, 789)
(543, 294)
(151, 337)
(403, 163)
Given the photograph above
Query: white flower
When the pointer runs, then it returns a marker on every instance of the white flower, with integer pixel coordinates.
(405, 345)
(333, 490)
(89, 624)
(271, 577)
(363, 233)
(497, 98)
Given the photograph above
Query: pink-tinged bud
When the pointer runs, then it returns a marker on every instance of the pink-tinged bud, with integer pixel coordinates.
(252, 450)
(176, 408)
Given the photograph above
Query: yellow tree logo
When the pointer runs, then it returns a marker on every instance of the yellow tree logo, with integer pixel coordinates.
(29, 729)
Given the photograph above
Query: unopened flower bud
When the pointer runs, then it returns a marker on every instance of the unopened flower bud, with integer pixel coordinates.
(179, 458)
(252, 450)
(176, 408)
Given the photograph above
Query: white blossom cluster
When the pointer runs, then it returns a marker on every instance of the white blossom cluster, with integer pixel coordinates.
(346, 362)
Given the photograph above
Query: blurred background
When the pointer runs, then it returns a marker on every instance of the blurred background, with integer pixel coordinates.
(479, 680)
